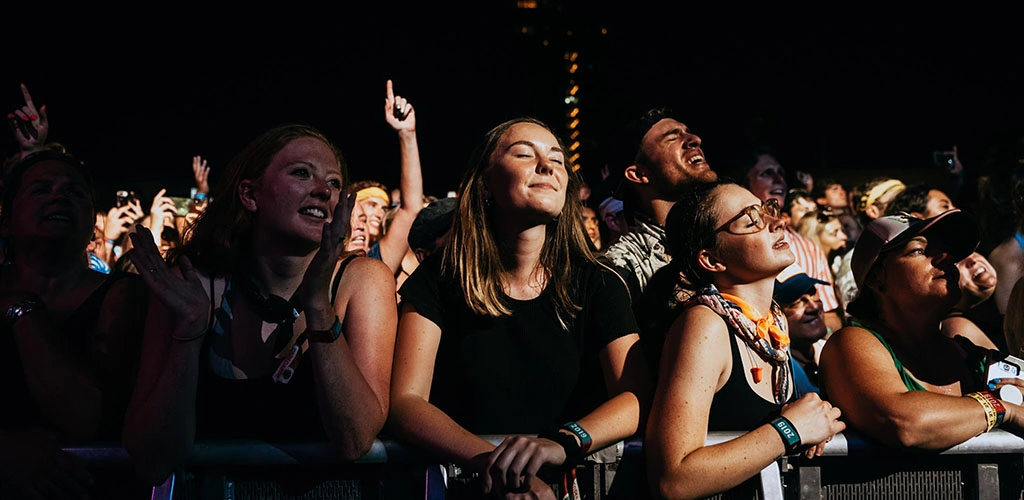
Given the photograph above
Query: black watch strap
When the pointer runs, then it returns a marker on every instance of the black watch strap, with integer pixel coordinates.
(21, 308)
(326, 336)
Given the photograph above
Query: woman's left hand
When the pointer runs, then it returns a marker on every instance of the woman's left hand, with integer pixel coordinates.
(517, 459)
(315, 288)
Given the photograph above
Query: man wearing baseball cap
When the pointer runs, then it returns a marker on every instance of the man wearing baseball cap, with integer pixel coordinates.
(796, 294)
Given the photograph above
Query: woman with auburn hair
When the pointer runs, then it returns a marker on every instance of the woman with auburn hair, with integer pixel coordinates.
(514, 327)
(725, 363)
(260, 328)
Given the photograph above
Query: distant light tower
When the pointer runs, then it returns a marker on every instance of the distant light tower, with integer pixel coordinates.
(572, 103)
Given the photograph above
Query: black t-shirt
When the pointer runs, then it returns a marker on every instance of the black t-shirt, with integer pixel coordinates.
(523, 373)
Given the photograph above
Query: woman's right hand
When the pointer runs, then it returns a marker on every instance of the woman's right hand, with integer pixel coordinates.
(182, 292)
(816, 421)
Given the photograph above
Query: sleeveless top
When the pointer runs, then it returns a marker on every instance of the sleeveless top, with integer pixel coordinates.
(24, 413)
(975, 359)
(736, 406)
(258, 408)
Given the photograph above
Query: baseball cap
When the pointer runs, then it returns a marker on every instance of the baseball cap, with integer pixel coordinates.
(957, 230)
(432, 221)
(792, 283)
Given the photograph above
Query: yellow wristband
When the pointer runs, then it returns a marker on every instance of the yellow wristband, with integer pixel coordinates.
(991, 416)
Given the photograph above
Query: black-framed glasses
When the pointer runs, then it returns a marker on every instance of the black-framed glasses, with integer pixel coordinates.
(752, 219)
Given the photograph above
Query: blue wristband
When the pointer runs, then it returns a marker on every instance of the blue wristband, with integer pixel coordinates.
(788, 432)
(581, 433)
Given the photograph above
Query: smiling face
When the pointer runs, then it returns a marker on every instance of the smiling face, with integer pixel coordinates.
(671, 157)
(53, 201)
(977, 279)
(358, 232)
(298, 191)
(806, 323)
(376, 210)
(749, 254)
(527, 179)
(767, 179)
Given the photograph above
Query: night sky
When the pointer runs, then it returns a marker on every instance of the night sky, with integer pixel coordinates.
(137, 96)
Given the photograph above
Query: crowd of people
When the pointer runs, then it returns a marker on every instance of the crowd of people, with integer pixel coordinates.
(288, 301)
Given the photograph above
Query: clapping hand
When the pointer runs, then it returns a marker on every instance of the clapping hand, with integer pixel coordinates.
(180, 290)
(30, 126)
(314, 291)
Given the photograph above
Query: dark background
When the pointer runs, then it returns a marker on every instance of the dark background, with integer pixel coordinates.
(137, 93)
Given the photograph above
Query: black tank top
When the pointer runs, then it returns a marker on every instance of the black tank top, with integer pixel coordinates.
(736, 407)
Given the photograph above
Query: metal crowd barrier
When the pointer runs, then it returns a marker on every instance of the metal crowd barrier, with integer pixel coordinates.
(986, 467)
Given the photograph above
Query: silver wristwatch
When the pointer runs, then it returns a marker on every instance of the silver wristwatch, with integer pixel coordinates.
(21, 308)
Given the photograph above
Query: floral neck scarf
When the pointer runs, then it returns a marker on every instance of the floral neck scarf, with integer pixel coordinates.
(767, 336)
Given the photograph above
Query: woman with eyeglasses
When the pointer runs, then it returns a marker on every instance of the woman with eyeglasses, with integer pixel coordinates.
(725, 360)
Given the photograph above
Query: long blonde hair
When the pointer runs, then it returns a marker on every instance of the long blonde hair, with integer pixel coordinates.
(473, 257)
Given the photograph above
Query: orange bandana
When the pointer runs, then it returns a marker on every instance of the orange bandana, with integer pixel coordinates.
(766, 327)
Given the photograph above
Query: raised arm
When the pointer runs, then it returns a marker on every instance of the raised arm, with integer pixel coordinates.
(30, 126)
(396, 241)
(160, 424)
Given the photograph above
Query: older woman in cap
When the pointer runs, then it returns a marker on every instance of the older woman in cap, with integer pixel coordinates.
(898, 378)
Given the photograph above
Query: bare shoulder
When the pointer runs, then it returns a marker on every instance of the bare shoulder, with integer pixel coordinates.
(850, 342)
(367, 268)
(698, 325)
(366, 274)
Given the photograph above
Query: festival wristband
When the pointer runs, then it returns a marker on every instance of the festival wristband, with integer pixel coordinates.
(580, 432)
(789, 435)
(573, 452)
(994, 409)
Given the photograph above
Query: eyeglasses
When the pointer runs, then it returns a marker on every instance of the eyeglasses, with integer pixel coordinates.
(752, 219)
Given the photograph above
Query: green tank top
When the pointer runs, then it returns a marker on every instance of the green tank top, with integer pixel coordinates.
(976, 359)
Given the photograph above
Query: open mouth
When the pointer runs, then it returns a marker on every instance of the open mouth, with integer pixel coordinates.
(59, 217)
(317, 212)
(696, 160)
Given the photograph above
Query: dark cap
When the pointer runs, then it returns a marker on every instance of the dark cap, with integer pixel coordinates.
(432, 222)
(957, 230)
(792, 283)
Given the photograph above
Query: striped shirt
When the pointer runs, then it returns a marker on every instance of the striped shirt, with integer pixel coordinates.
(814, 261)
